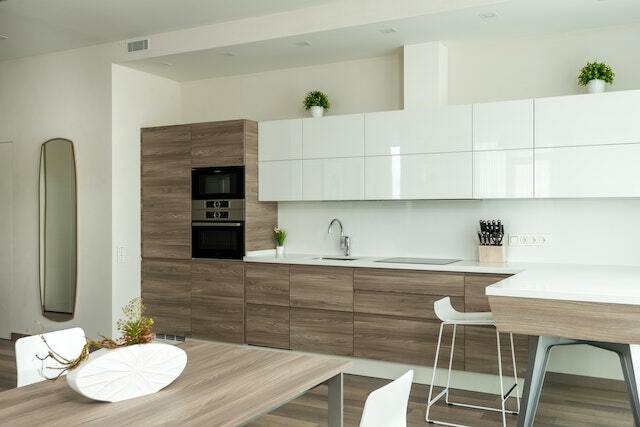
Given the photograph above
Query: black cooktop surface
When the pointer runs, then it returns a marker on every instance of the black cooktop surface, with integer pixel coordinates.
(431, 261)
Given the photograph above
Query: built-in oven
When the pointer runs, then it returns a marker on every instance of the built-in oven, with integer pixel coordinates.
(218, 183)
(217, 228)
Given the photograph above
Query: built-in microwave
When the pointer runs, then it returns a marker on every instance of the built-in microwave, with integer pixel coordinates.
(217, 183)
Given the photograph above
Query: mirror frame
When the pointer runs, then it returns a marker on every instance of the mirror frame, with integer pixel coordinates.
(56, 317)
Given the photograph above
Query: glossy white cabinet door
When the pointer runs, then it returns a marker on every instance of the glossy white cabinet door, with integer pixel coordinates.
(434, 130)
(503, 174)
(280, 180)
(503, 125)
(596, 171)
(606, 118)
(333, 136)
(419, 176)
(280, 140)
(333, 179)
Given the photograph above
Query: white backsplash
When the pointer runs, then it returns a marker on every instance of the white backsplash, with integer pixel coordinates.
(588, 231)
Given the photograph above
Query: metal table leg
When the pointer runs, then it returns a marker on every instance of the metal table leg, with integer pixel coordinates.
(335, 401)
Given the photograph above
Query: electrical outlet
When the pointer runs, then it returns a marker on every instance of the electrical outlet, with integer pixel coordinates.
(529, 239)
(121, 255)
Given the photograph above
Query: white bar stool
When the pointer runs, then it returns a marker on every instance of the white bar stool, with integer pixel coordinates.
(450, 316)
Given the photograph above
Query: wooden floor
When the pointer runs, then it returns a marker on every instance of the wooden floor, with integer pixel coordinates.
(561, 404)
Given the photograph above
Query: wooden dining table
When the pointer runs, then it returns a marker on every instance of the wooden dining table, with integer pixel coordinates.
(222, 385)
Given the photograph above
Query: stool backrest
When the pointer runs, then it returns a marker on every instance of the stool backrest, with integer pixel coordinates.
(68, 343)
(387, 406)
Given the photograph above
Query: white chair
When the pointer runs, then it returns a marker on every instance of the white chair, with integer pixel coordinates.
(387, 406)
(68, 343)
(450, 316)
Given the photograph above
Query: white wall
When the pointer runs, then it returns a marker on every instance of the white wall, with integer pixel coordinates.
(64, 95)
(139, 100)
(6, 236)
(353, 86)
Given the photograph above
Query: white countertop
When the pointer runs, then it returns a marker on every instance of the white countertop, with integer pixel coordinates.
(573, 282)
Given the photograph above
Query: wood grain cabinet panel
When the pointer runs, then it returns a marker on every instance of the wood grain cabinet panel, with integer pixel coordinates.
(267, 284)
(403, 340)
(480, 341)
(166, 292)
(217, 143)
(327, 288)
(166, 192)
(267, 325)
(409, 281)
(217, 300)
(397, 304)
(322, 331)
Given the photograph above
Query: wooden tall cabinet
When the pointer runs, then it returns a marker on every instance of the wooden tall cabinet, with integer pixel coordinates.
(196, 297)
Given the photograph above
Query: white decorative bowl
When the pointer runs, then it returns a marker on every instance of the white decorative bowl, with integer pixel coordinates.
(127, 372)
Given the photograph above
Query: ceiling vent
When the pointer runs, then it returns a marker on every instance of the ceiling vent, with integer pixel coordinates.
(137, 45)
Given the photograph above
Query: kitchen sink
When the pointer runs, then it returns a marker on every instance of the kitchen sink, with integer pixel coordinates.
(336, 258)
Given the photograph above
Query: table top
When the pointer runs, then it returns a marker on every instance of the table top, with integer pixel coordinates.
(222, 385)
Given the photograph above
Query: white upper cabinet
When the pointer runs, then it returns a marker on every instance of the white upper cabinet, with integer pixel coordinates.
(333, 136)
(333, 179)
(595, 171)
(435, 130)
(503, 125)
(280, 140)
(503, 174)
(280, 180)
(593, 119)
(419, 176)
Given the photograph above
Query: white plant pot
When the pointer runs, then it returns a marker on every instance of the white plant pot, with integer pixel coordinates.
(596, 86)
(279, 251)
(317, 111)
(127, 372)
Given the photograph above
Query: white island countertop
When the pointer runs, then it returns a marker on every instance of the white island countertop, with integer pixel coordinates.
(572, 282)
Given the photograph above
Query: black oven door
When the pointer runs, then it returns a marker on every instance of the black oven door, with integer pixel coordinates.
(221, 240)
(218, 183)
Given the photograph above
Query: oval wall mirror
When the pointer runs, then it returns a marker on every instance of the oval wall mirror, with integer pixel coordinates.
(58, 229)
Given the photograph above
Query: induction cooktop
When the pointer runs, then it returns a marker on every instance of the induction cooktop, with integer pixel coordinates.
(431, 261)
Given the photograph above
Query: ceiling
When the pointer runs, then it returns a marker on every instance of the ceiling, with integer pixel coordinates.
(513, 18)
(41, 26)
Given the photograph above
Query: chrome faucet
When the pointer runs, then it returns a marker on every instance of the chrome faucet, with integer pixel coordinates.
(345, 241)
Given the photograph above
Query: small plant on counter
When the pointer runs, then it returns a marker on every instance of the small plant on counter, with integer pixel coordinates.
(595, 71)
(279, 235)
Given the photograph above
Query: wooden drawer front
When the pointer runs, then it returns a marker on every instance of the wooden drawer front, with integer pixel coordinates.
(165, 169)
(322, 331)
(329, 288)
(218, 318)
(217, 144)
(267, 325)
(405, 340)
(409, 281)
(267, 284)
(166, 293)
(482, 355)
(397, 304)
(217, 300)
(474, 290)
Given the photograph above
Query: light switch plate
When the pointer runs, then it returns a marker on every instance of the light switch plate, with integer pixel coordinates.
(538, 239)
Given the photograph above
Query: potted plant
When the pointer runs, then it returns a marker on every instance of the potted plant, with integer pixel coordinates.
(317, 102)
(595, 76)
(279, 235)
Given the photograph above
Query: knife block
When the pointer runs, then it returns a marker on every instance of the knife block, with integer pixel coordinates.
(492, 254)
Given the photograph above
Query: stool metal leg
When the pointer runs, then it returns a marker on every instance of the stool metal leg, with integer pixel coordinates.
(502, 396)
(515, 372)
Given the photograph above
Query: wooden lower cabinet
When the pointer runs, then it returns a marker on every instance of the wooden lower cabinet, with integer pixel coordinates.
(166, 293)
(322, 331)
(267, 325)
(217, 300)
(404, 340)
(324, 288)
(267, 284)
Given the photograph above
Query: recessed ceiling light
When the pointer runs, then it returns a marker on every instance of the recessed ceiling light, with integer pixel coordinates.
(3, 37)
(229, 54)
(389, 30)
(303, 43)
(488, 15)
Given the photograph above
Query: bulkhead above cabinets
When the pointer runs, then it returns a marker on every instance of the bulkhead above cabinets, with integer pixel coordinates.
(563, 147)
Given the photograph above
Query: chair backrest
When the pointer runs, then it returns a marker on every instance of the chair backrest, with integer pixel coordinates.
(387, 406)
(68, 343)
